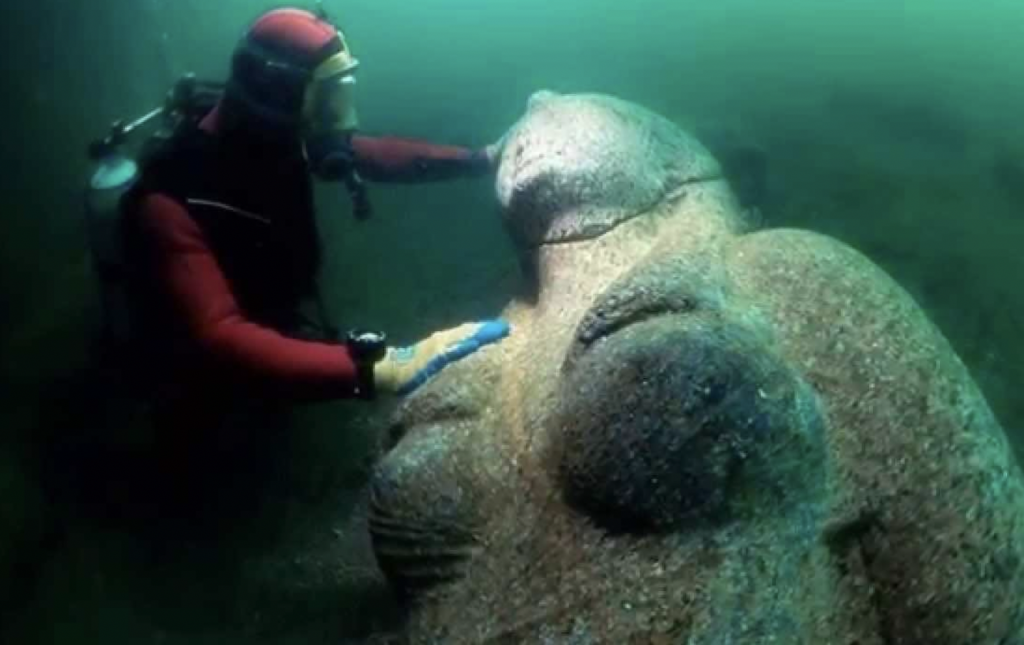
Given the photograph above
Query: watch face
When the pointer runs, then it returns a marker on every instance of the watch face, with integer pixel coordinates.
(367, 345)
(367, 337)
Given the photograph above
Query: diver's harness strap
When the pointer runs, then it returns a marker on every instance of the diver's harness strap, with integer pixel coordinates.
(320, 323)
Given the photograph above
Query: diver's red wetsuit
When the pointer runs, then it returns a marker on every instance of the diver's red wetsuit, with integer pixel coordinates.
(189, 274)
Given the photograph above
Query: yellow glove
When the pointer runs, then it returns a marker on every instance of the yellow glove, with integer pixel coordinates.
(404, 369)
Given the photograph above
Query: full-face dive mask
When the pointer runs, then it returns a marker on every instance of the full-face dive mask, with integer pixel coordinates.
(329, 117)
(294, 72)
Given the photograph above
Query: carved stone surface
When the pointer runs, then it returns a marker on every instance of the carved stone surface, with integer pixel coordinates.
(697, 433)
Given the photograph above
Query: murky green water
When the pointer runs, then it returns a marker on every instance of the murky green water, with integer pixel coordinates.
(891, 126)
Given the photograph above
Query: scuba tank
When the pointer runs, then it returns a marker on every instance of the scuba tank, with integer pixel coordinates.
(114, 176)
(115, 173)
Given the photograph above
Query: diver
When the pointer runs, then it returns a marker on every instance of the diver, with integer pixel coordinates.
(221, 246)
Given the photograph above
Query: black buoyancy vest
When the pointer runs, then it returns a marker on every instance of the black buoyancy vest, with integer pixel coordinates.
(254, 205)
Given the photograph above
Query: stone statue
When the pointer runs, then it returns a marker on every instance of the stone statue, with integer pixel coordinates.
(698, 432)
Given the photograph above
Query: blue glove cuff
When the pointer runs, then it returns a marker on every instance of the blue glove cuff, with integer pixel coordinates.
(487, 333)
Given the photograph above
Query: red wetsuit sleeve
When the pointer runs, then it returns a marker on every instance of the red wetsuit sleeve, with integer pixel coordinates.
(189, 273)
(391, 159)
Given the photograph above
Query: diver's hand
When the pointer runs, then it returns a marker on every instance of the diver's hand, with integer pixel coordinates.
(404, 369)
(494, 151)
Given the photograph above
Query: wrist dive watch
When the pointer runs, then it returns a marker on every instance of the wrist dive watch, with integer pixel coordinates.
(367, 348)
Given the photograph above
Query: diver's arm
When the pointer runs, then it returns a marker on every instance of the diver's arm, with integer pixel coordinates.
(188, 271)
(392, 159)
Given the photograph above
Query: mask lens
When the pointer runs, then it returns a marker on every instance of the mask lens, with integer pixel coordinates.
(333, 104)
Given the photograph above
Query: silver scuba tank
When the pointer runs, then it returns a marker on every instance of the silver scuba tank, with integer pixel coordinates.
(114, 176)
